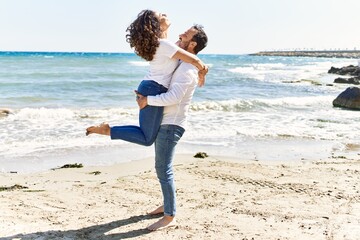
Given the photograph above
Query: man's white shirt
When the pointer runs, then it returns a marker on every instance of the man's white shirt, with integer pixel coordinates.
(178, 98)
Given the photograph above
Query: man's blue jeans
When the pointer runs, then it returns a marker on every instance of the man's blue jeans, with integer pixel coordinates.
(165, 143)
(149, 118)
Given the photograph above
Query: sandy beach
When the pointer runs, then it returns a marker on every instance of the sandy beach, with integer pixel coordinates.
(218, 198)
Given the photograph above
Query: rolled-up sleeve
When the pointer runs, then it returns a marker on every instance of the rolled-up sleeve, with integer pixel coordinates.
(176, 91)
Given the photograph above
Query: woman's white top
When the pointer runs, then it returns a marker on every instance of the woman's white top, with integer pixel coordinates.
(162, 66)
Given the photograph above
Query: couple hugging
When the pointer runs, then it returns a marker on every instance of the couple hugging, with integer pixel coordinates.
(163, 97)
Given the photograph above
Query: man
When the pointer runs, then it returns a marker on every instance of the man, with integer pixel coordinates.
(176, 101)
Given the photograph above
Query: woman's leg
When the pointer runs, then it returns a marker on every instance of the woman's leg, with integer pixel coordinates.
(149, 119)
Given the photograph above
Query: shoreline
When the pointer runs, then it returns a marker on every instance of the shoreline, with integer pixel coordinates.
(322, 54)
(277, 150)
(218, 198)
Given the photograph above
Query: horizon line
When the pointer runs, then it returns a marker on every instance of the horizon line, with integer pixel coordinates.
(109, 53)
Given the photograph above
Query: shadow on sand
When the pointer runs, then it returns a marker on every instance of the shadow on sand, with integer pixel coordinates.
(93, 232)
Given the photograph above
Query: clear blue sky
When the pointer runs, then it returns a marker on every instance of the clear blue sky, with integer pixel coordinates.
(233, 26)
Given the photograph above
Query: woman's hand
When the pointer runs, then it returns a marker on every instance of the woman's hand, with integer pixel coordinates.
(141, 100)
(202, 74)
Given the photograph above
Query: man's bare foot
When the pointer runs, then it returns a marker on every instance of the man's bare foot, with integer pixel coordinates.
(164, 222)
(157, 211)
(103, 129)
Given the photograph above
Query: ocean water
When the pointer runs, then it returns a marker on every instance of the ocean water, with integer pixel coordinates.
(248, 103)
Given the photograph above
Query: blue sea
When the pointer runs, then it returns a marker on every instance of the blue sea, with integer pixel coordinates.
(252, 107)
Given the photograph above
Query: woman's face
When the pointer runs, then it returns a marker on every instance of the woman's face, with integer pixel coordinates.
(164, 21)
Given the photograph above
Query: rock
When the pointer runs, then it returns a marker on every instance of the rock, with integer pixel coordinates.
(352, 80)
(201, 155)
(348, 70)
(14, 187)
(350, 98)
(341, 80)
(4, 112)
(73, 165)
(333, 70)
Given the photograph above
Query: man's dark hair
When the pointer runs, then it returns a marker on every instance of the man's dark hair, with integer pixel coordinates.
(200, 38)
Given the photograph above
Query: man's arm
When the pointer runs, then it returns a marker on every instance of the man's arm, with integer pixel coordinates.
(174, 95)
(194, 60)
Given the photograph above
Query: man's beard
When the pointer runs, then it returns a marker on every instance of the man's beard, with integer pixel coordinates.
(186, 45)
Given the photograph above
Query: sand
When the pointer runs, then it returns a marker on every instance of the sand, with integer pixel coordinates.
(218, 198)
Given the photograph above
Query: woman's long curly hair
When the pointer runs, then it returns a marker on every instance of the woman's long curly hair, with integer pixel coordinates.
(144, 34)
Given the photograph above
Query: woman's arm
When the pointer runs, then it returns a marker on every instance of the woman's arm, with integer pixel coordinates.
(194, 60)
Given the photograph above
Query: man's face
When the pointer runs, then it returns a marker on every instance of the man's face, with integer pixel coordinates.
(185, 38)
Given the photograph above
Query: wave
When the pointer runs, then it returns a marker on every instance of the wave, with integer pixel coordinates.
(314, 101)
(277, 72)
(120, 113)
(40, 114)
(33, 132)
(242, 105)
(29, 132)
(139, 63)
(224, 106)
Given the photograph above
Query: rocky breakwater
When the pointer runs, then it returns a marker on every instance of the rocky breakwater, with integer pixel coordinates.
(312, 53)
(350, 98)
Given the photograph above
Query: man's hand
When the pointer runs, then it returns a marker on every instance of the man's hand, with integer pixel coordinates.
(141, 100)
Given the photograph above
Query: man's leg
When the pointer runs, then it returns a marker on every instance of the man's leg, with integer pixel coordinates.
(165, 143)
(158, 210)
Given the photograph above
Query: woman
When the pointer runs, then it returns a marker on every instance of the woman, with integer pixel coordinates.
(147, 35)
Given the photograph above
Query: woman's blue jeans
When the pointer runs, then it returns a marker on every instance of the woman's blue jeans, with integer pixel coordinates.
(165, 143)
(149, 118)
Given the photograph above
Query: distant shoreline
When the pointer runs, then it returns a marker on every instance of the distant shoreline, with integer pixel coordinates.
(325, 54)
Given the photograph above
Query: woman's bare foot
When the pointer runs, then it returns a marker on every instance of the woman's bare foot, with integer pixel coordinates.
(103, 129)
(164, 222)
(157, 211)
